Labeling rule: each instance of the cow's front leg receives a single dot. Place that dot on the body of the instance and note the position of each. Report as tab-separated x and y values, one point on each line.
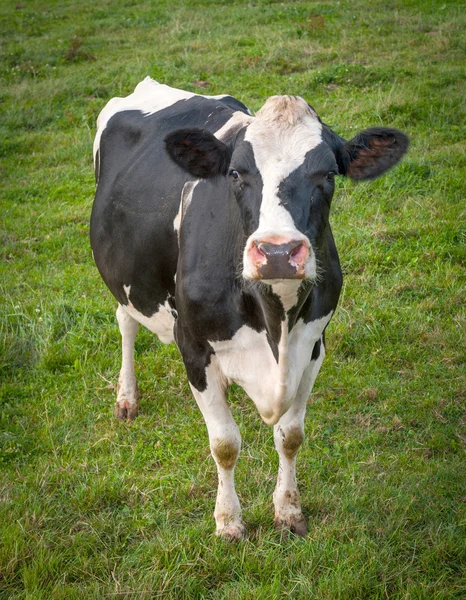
288	436
126	406
225	445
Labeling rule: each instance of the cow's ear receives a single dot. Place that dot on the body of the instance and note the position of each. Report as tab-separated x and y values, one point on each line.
371	153
198	152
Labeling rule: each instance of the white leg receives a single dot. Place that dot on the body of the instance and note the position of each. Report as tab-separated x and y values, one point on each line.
225	445
126	406
288	436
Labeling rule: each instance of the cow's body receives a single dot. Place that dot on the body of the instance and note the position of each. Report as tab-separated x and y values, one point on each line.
232	255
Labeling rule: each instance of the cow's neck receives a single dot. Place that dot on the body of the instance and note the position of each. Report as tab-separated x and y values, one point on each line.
279	303
287	291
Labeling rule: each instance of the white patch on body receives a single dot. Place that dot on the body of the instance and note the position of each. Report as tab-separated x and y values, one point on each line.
127	290
161	322
283	132
287	291
247	360
186	197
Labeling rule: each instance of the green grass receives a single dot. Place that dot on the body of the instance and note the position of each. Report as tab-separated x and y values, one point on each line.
92	508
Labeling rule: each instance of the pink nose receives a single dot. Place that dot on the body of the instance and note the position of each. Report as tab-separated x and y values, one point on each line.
274	260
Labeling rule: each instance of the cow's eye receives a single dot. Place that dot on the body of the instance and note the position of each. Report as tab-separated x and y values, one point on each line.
331	175
234	174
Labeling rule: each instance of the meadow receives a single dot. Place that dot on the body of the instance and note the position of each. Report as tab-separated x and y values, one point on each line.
95	508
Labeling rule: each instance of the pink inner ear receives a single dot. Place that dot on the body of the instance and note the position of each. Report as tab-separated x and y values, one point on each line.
368	157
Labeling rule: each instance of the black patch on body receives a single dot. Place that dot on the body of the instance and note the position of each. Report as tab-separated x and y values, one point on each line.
316	350
137	200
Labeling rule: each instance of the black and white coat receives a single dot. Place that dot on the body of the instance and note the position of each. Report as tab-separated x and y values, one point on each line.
211	228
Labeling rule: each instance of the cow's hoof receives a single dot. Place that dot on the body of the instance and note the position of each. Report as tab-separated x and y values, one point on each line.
233	532
126	411
294	523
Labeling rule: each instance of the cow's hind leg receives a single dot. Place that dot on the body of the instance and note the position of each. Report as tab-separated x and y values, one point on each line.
225	445
288	436
126	406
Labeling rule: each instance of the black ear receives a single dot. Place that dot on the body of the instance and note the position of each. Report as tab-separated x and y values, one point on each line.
371	153
198	152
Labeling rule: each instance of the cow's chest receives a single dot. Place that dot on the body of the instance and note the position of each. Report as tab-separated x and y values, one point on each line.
247	360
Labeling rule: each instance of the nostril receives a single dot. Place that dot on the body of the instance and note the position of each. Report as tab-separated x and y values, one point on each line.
297	250
258	247
299	254
256	254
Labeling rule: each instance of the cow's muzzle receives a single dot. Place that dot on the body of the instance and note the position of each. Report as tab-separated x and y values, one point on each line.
271	259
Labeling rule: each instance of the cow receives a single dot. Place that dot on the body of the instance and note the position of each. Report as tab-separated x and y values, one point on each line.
210	227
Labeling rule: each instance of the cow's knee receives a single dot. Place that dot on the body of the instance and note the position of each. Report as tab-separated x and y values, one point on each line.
289	439
225	451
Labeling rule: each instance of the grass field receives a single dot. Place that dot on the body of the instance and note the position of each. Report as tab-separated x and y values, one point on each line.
94	508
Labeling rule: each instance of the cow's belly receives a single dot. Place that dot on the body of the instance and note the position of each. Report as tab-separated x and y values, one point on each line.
247	360
161	322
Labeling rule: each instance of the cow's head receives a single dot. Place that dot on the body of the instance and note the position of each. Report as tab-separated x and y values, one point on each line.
281	170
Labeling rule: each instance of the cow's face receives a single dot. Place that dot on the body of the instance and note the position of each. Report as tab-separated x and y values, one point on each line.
281	171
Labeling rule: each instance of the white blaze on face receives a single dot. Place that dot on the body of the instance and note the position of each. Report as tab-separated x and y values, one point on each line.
283	132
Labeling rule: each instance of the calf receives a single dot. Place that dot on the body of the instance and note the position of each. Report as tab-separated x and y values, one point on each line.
210	226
